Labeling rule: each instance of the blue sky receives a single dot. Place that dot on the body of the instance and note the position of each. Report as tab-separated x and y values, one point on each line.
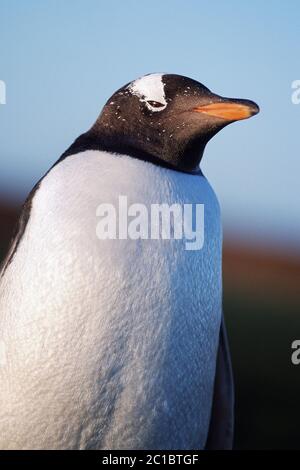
62	60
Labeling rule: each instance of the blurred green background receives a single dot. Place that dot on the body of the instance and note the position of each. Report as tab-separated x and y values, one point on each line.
262	313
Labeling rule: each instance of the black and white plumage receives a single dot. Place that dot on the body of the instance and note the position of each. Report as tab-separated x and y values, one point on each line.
113	344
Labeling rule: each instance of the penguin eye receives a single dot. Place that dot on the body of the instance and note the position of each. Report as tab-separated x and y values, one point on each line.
155	104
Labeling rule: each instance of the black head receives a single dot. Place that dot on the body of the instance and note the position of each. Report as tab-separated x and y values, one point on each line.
166	119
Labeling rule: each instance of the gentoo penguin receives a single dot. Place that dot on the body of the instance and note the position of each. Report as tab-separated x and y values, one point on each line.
119	343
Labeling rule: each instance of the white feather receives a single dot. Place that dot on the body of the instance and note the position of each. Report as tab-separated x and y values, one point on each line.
109	343
150	88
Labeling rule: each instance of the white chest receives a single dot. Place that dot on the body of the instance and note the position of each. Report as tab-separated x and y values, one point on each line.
110	343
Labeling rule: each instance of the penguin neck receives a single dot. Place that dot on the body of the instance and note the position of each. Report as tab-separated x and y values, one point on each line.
179	156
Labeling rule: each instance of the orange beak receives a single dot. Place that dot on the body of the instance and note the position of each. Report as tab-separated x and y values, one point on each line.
229	110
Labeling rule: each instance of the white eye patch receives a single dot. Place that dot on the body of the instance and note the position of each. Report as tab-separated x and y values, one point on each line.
150	90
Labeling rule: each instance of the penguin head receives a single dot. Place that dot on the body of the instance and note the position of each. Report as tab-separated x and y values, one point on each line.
166	119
